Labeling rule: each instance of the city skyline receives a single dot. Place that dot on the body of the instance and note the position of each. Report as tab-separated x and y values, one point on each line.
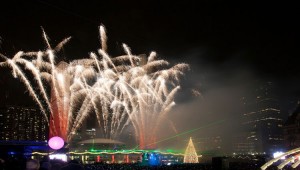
229	49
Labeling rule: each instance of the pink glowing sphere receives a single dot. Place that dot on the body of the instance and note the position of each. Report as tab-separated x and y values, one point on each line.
56	142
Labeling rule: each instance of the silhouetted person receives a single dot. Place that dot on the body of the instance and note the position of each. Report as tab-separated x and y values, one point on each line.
32	164
2	164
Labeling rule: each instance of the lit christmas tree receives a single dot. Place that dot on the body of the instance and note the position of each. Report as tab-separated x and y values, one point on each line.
190	155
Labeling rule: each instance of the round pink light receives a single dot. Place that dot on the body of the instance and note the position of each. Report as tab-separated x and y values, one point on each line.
56	142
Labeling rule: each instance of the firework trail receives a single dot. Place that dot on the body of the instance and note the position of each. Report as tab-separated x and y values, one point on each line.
122	91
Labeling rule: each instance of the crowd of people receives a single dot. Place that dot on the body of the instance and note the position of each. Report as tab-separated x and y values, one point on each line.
44	164
47	164
143	167
32	164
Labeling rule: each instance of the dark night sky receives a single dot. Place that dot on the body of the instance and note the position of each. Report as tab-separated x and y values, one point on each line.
262	36
228	45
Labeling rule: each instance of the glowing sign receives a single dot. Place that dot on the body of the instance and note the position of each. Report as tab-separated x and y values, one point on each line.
56	142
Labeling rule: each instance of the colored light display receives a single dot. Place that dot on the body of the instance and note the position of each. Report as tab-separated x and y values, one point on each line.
190	155
56	142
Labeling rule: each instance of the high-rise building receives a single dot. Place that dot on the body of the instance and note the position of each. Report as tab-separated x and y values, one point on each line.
262	121
292	130
209	145
22	124
242	145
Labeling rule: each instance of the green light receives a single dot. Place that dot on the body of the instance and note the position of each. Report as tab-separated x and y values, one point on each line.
170	150
187	132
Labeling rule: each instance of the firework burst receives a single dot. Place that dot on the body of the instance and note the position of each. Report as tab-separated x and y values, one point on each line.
122	91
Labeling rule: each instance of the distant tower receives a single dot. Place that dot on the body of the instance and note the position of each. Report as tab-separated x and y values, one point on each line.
190	155
262	120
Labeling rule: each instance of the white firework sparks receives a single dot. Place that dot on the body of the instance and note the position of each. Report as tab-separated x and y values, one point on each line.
123	90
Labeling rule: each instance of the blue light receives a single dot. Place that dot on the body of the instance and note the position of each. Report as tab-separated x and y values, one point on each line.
11	153
153	159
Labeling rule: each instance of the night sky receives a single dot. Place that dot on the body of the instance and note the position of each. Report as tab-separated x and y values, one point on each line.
229	46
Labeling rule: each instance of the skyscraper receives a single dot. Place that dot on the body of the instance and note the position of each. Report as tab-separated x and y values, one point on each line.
292	130
22	124
262	120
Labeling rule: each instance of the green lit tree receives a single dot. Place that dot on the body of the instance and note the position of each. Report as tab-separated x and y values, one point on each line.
190	155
